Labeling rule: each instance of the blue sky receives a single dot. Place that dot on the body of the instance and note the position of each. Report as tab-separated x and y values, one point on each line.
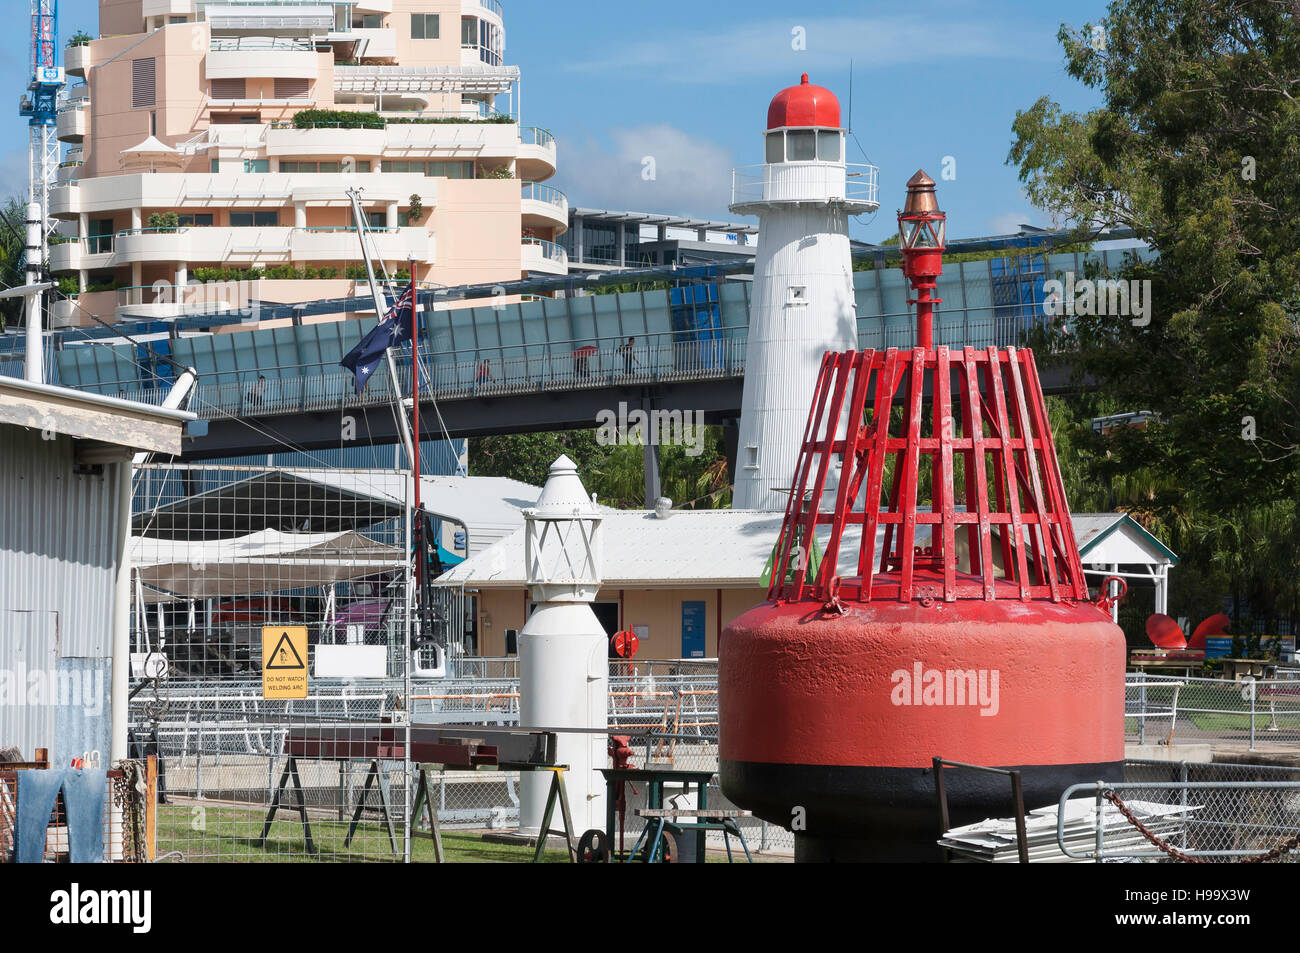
688	82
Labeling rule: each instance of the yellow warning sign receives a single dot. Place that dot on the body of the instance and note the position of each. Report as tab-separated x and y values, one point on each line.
284	661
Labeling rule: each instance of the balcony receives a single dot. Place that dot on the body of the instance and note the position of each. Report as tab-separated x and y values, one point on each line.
379	43
67	256
488	9
167	8
152	244
546	258
76	60
259	57
69	171
399	80
341	244
64	313
290	141
544	207
65	199
71	124
536	159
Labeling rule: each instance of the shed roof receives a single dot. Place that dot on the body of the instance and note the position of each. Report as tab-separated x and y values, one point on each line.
719	549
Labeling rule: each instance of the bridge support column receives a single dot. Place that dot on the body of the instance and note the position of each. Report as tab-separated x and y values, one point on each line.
652	488
731	445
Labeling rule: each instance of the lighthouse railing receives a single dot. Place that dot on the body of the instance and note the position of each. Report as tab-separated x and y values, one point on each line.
805	182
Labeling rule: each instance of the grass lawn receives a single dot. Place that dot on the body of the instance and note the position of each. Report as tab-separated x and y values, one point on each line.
1225	700
225	834
229	834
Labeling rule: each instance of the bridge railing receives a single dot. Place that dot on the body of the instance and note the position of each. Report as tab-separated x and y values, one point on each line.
499	371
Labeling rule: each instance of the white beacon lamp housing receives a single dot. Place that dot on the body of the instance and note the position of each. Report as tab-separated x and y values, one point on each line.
563	648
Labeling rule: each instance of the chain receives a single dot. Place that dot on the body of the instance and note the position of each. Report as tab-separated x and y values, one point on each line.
1284	848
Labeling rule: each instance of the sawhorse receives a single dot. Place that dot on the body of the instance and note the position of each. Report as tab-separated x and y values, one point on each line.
558	794
375	775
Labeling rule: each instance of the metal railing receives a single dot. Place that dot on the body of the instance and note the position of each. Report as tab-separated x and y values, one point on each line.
1228	714
550	251
536	136
538	192
801	181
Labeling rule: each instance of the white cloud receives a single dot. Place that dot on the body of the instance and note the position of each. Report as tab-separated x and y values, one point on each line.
691	175
874	43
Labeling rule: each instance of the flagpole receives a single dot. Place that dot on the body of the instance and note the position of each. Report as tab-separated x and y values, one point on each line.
415	459
380	308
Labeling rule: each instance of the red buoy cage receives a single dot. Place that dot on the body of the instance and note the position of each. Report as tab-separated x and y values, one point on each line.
977	469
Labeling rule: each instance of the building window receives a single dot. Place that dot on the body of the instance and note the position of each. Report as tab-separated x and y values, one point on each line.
377	219
375	21
216	165
257	165
828	145
424	26
100	239
292	88
143	88
801	145
199	220
254	219
229	88
775	147
468	31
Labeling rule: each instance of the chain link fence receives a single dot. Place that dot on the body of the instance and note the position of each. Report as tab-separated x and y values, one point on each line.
1164	811
238	571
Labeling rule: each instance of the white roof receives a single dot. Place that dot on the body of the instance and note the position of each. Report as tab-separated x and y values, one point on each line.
265	561
703	548
1108	538
490	508
708	548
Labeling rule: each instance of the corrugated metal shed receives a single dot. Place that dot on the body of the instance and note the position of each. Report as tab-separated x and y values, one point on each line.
58	536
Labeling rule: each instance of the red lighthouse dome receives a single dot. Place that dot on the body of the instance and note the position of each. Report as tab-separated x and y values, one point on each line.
804	105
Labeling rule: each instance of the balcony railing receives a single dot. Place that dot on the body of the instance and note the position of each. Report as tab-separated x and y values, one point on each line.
545	193
534	136
550	251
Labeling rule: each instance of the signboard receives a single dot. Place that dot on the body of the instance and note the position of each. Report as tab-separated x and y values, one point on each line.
284	661
1220	646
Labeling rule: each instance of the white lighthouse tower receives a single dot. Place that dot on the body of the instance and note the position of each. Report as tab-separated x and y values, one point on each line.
802	300
563	649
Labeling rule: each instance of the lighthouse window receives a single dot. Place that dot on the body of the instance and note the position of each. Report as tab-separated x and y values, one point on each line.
776	147
801	145
828	145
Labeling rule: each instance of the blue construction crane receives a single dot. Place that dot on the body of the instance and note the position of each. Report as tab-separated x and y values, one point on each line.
40	106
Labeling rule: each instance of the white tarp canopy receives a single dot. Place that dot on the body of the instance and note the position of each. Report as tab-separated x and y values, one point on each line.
265	561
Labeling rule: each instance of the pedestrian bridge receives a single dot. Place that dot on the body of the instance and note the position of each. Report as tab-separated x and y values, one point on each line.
543	364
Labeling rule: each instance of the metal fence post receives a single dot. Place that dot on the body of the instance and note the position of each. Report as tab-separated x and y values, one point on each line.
1142	713
1252	715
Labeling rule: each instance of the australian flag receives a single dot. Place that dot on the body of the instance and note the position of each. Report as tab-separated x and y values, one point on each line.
394	329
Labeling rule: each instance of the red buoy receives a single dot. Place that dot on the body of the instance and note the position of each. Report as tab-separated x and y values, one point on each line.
948	616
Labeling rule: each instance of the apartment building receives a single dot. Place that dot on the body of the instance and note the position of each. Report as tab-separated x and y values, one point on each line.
217	141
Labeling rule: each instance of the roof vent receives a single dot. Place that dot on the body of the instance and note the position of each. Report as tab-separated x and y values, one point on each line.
663	508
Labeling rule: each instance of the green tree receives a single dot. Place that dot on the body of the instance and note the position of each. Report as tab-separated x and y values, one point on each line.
1195	148
12	257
